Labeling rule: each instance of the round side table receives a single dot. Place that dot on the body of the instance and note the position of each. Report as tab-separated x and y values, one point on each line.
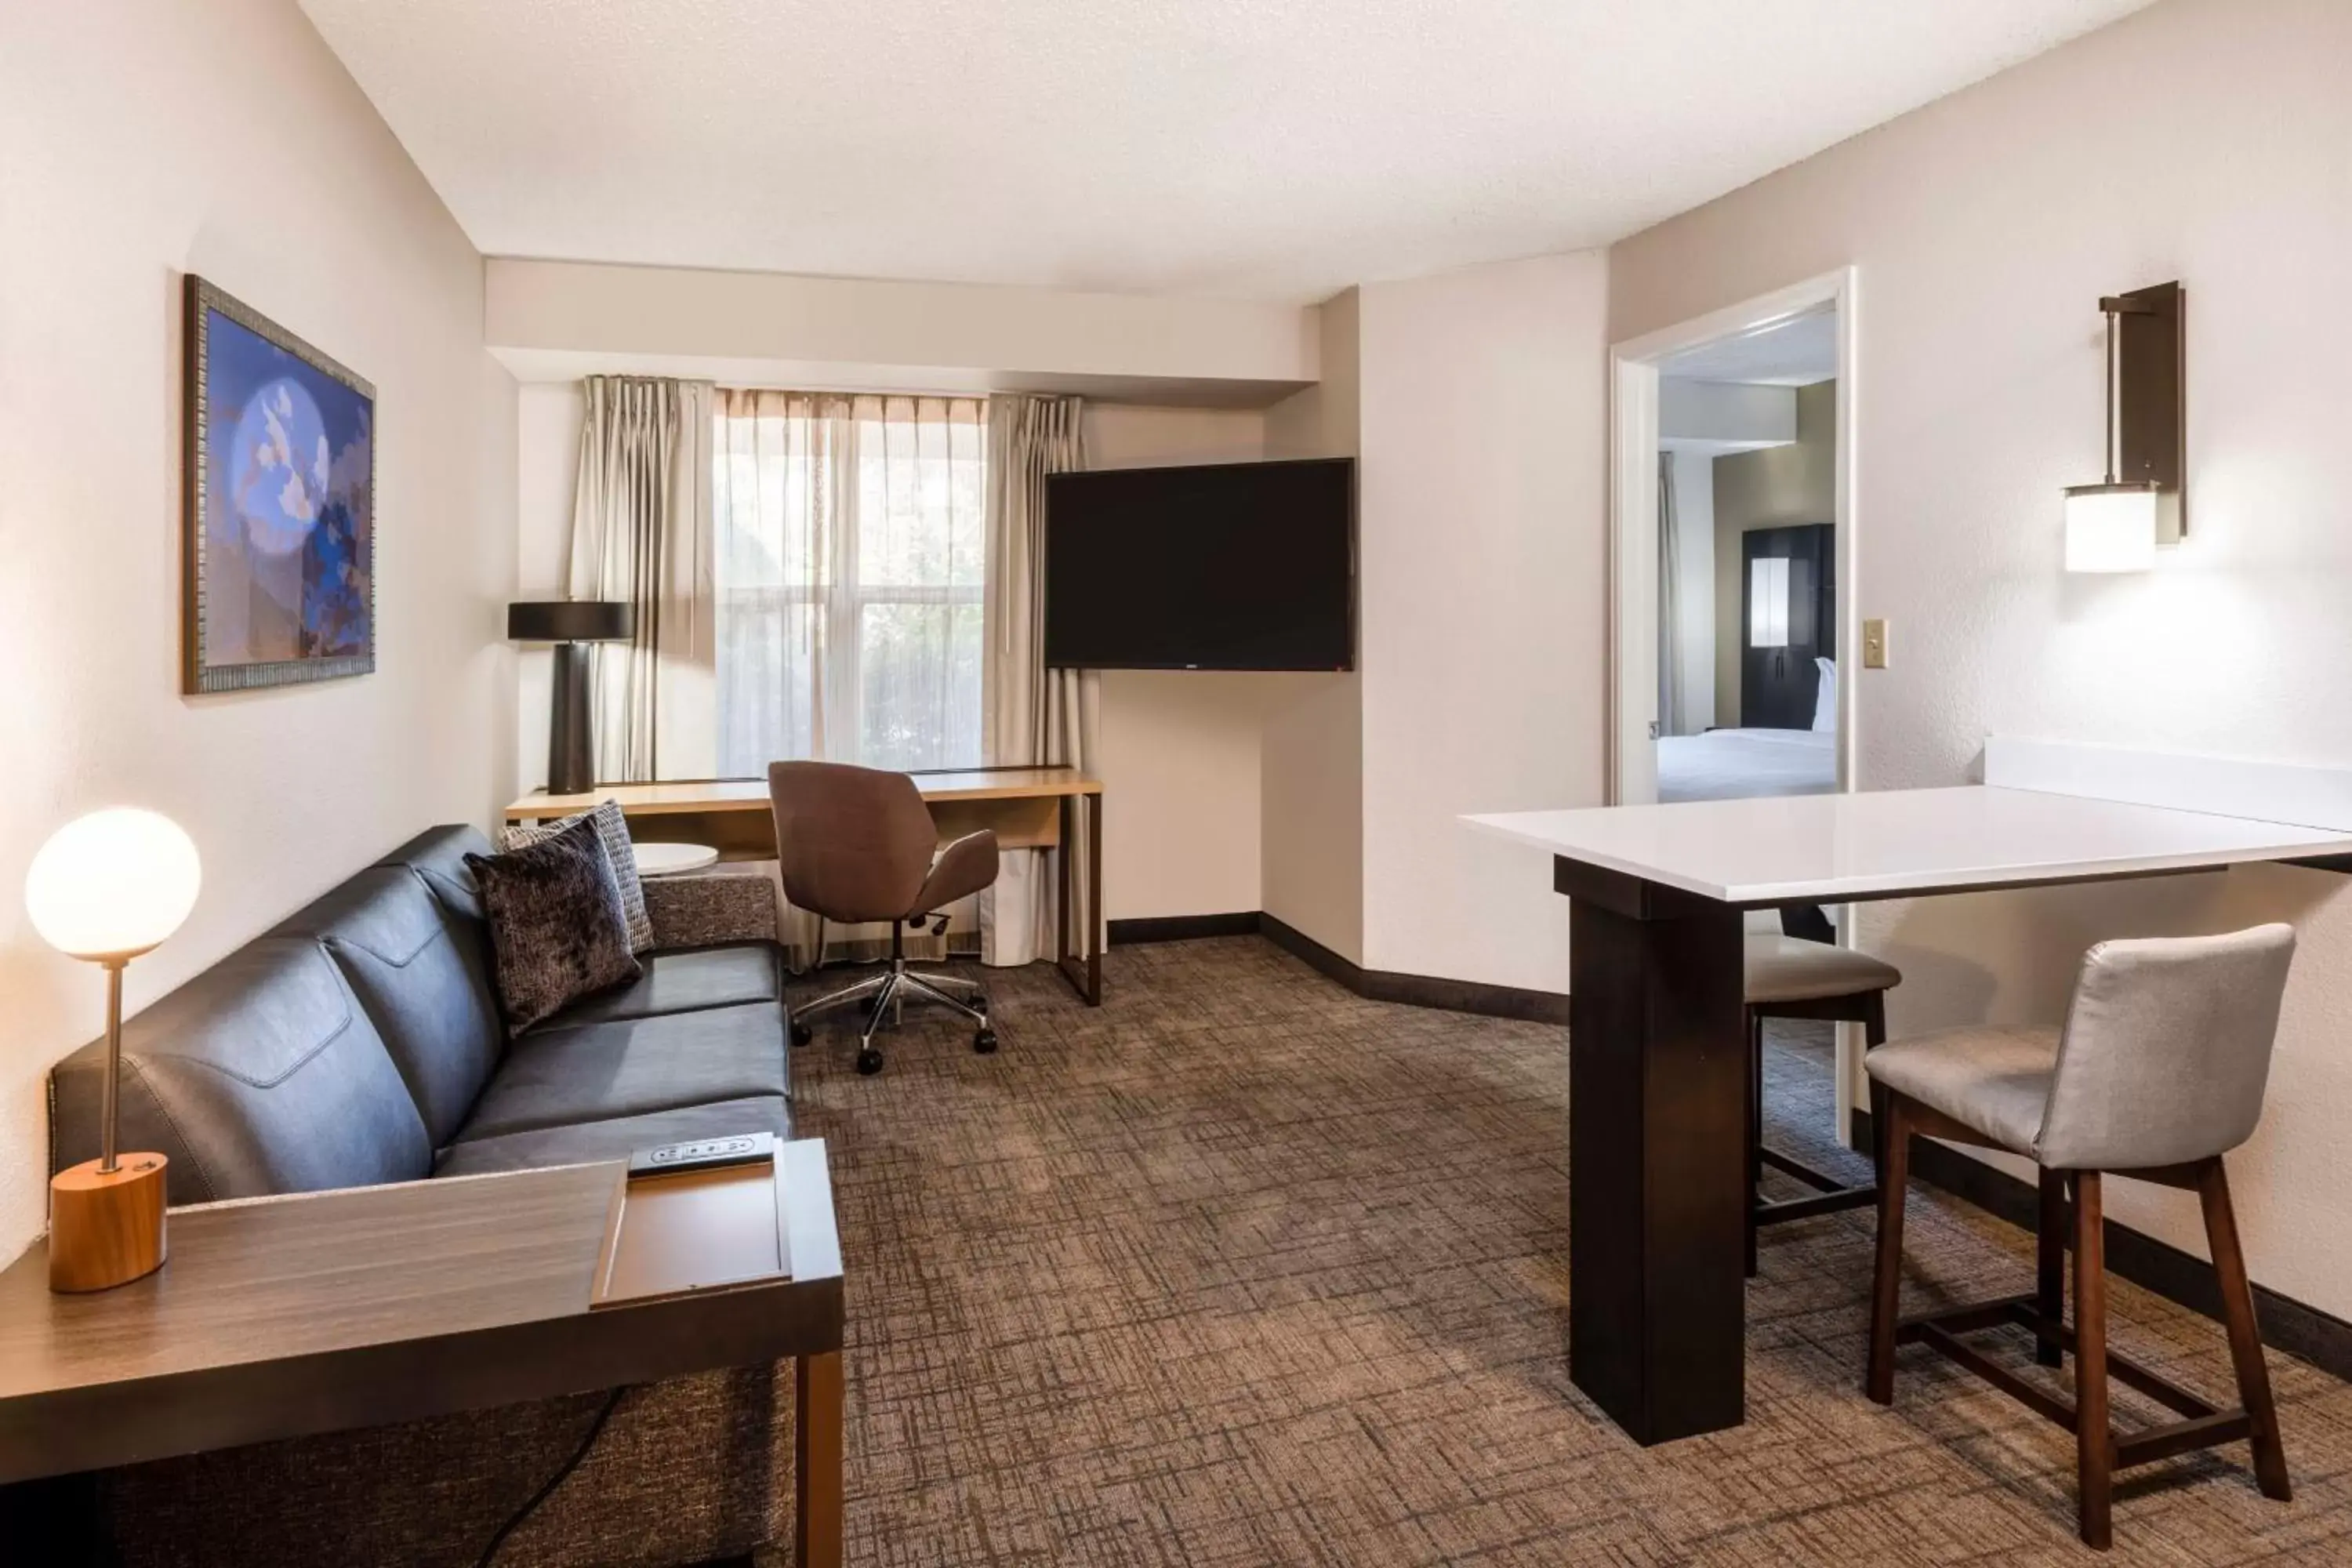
670	860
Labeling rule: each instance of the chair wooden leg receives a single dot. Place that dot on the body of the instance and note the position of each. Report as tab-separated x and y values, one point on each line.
2049	1259
1886	1280
2094	1446
1755	1130
2246	1335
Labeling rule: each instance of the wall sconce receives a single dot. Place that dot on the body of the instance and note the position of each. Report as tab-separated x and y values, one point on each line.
2116	525
1767	602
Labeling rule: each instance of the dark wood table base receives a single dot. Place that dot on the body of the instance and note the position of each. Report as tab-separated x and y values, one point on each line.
1657	1183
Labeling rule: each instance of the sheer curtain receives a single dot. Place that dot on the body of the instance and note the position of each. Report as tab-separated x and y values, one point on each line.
848	579
848	589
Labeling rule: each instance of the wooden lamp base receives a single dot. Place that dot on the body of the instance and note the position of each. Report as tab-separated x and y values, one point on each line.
106	1227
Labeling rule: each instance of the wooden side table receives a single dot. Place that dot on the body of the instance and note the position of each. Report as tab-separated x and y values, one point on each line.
290	1317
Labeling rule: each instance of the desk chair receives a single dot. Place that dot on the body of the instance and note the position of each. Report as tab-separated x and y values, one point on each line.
2158	1073
857	845
1789	977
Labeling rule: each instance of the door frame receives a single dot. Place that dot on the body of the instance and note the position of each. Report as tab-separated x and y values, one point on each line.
1630	764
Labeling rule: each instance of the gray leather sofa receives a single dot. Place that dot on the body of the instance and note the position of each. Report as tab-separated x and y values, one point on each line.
359	1042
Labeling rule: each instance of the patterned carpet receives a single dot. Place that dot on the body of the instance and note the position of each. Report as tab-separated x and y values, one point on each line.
1242	1270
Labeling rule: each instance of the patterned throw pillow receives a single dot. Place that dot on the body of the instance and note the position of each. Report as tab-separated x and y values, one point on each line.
556	930
614	829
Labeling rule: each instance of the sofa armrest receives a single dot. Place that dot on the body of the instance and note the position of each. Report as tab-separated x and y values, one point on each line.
710	911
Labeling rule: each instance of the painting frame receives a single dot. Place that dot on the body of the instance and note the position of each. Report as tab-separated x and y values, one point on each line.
201	673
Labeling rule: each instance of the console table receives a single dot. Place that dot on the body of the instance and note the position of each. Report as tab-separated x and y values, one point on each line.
1657	1052
1028	808
288	1317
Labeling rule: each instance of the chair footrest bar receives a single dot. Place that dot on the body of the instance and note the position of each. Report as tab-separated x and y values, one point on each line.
1789	1166
1820	1203
2205	1426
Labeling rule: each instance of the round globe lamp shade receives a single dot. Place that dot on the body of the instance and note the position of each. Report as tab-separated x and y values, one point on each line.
113	884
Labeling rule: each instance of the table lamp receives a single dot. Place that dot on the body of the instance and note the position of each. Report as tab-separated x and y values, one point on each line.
570	625
107	888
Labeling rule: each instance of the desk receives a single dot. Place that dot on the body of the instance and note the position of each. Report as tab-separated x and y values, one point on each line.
1029	808
290	1317
1657	1052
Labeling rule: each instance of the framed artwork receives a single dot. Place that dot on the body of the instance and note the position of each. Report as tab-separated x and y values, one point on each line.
279	556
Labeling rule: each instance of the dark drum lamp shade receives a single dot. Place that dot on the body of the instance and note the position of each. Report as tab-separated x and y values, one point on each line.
571	620
569	623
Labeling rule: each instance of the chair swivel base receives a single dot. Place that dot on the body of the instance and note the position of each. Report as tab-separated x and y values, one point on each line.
885	995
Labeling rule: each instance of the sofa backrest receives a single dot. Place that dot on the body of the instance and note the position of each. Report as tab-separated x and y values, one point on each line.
261	1075
422	971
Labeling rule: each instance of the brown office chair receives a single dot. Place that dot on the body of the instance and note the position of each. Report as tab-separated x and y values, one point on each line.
857	844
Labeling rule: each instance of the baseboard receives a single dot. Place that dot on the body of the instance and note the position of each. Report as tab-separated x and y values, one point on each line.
2320	1338
1180	928
1419	990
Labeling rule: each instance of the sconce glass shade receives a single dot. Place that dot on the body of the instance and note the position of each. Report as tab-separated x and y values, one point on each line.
2111	528
113	884
1767	602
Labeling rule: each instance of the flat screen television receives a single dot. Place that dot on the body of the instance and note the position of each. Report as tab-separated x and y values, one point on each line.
1221	567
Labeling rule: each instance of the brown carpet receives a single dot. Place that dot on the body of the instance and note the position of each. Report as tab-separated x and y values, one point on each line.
1242	1270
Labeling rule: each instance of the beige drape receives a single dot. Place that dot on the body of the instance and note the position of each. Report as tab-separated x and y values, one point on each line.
641	532
1033	715
1671	718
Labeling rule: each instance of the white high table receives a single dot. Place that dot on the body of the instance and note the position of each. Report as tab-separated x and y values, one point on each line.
1657	1044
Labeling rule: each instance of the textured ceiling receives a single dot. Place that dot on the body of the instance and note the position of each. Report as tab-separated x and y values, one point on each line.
1275	149
1798	352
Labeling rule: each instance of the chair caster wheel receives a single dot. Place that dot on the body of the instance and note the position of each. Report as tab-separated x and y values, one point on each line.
984	1042
801	1033
869	1061
980	1002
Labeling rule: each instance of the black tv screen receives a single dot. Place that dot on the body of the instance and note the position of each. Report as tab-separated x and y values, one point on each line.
1227	566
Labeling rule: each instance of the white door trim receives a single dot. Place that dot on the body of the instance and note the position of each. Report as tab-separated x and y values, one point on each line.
1632	689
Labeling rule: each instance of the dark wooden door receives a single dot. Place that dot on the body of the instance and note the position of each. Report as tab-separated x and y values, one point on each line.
1778	681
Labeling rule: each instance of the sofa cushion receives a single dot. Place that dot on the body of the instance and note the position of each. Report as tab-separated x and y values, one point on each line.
261	1075
613	828
557	930
437	856
594	1072
616	1139
683	982
421	971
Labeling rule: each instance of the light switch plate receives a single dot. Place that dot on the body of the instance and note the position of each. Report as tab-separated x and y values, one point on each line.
1873	644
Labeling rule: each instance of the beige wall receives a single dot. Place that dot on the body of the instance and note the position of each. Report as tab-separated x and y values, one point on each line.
2201	140
1483	605
138	142
1180	748
1312	751
1776	488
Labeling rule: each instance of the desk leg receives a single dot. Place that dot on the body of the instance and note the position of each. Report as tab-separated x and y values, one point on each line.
816	1461
1084	975
1657	1086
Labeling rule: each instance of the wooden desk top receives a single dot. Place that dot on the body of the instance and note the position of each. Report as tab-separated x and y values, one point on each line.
751	795
331	1310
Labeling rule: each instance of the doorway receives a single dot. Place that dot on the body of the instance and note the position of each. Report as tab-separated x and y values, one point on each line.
1733	550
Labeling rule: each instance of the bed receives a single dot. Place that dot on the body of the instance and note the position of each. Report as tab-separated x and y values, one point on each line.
1728	764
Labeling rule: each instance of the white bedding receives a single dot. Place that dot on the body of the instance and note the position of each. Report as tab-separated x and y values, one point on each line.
1729	764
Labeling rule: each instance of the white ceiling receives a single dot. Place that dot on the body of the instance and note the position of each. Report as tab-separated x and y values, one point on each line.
1798	352
1275	149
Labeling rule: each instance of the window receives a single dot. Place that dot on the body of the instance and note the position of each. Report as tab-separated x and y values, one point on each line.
848	562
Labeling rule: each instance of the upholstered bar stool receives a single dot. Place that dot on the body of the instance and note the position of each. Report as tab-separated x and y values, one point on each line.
1787	977
2158	1073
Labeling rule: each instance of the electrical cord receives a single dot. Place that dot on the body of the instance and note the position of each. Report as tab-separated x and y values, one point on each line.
596	1430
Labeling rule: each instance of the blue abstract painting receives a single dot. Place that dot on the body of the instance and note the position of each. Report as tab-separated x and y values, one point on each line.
282	505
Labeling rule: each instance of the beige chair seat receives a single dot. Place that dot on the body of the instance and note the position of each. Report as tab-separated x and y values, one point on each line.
1990	1079
1785	969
